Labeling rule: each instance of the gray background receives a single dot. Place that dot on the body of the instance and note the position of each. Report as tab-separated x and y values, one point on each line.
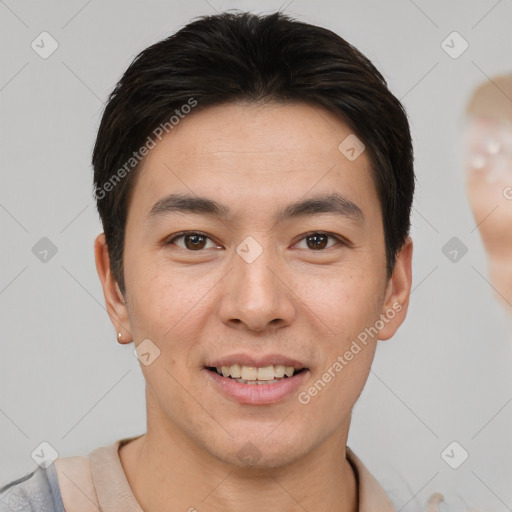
64	379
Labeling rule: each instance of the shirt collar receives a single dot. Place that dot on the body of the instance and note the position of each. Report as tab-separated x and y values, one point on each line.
371	495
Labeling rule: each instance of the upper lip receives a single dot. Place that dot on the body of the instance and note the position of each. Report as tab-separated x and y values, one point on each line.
258	361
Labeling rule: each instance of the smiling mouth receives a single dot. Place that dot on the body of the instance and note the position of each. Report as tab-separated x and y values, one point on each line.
257	375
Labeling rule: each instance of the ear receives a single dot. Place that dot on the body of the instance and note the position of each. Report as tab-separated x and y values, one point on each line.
396	303
114	300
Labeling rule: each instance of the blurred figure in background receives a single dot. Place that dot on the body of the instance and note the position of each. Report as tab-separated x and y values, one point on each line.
488	166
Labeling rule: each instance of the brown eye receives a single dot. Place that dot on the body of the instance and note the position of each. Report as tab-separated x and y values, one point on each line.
192	241
318	240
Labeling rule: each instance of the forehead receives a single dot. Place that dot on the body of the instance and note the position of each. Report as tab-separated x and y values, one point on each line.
250	152
271	128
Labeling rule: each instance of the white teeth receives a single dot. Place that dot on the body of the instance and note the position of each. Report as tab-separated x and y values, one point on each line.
266	373
249	373
279	371
236	371
253	375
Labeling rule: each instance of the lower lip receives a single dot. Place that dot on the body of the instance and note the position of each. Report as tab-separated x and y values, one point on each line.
257	394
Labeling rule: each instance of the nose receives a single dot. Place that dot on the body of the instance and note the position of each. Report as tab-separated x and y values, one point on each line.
255	294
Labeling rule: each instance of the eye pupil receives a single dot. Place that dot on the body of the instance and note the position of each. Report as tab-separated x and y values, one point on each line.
195	243
317	244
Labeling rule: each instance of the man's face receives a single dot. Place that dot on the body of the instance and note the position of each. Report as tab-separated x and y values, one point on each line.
488	164
250	290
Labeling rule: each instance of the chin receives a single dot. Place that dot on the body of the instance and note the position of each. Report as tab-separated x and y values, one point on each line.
261	453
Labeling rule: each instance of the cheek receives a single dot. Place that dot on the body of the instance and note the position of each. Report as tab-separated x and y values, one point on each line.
171	316
343	304
166	308
160	293
350	308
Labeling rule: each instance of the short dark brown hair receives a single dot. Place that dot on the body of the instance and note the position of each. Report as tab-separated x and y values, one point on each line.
243	56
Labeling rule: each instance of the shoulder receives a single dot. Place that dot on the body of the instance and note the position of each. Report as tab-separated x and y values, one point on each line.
37	490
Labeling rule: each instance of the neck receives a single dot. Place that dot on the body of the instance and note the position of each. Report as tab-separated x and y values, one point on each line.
167	471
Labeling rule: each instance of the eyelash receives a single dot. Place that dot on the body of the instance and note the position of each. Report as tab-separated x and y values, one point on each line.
341	240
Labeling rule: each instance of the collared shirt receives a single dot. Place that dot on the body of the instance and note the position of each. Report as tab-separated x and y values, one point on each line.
97	483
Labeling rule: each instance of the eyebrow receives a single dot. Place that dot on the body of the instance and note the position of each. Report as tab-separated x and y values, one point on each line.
329	203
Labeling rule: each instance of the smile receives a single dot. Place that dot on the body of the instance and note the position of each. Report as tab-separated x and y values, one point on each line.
257	385
243	374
